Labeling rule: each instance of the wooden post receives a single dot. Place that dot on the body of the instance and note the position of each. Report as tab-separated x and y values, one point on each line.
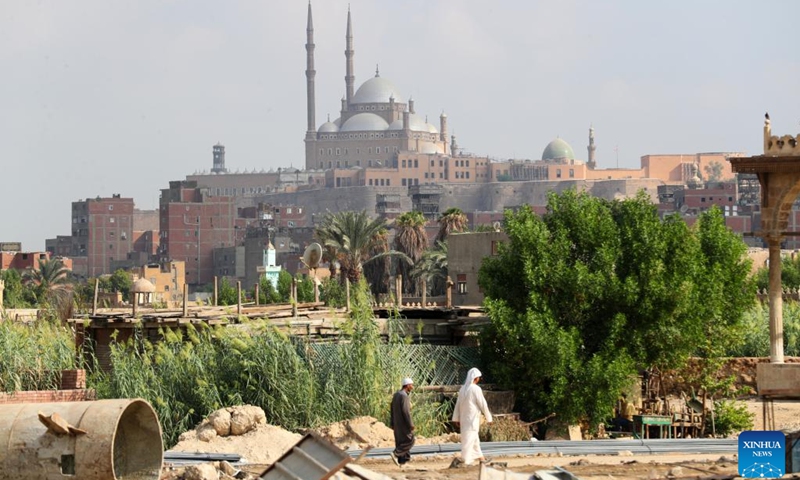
94	301
449	293
347	293
399	290
294	297
316	287
424	292
135	299
216	290
2	287
257	294
238	297
185	300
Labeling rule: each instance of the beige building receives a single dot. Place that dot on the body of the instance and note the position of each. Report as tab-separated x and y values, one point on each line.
168	279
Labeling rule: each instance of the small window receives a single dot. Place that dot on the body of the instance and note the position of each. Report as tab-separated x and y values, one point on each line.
571	173
461	283
403	182
558	173
111	220
110	208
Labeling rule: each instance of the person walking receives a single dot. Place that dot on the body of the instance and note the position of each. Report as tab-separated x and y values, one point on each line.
467	415
402	424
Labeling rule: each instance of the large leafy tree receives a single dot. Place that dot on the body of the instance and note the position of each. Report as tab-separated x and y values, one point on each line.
452	220
410	238
593	291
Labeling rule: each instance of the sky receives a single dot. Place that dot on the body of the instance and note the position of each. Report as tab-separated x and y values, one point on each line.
101	97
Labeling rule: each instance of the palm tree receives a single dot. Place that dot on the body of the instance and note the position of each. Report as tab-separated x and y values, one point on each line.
351	236
50	284
412	240
452	220
433	268
377	271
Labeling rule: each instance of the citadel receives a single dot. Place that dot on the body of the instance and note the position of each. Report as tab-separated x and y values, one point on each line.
377	154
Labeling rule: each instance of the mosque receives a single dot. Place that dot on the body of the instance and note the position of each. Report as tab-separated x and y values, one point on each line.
378	139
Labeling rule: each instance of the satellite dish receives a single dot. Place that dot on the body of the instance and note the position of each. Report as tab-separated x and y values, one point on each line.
312	255
684	208
497	226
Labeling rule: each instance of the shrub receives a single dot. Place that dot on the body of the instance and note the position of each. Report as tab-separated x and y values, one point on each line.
730	417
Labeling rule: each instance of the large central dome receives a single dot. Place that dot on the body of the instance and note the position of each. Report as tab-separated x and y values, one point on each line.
377	90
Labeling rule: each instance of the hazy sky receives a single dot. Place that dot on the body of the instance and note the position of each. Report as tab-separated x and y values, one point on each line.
105	96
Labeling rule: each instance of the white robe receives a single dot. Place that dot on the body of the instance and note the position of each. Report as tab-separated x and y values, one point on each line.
469	407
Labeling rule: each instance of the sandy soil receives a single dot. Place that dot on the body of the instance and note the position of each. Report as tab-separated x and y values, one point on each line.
619	467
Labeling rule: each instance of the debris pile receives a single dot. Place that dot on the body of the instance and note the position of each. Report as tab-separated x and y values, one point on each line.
242	430
358	433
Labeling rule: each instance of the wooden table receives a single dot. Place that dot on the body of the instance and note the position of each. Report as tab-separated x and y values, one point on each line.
644	421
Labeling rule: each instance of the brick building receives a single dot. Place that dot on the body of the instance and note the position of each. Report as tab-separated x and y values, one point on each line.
102	232
192	224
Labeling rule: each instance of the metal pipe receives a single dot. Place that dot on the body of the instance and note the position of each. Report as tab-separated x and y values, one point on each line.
107	440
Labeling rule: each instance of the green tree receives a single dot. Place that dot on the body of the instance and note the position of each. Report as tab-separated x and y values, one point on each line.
227	293
351	236
790	274
412	240
583	297
266	292
16	295
376	272
433	268
452	220
50	284
121	281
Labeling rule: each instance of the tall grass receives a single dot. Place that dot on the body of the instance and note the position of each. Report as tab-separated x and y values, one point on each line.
187	376
32	355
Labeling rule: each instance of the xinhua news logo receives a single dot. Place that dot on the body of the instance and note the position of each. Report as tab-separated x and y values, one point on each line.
762	454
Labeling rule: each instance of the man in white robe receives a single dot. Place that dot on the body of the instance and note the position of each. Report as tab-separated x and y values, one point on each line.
470	404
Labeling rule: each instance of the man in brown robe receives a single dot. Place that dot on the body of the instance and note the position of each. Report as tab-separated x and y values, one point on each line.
402	424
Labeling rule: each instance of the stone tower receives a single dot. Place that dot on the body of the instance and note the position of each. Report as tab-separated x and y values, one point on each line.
311	130
219	159
590	161
350	78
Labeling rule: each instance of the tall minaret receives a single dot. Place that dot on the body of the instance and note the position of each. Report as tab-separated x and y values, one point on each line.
349	78
311	130
591	148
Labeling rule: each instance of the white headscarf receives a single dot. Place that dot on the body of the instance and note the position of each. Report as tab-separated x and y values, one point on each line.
472	374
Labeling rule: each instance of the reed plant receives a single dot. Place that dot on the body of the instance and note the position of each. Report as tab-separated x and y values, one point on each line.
33	354
187	375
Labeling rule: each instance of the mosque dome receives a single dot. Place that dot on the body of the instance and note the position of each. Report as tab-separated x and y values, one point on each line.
416	123
558	149
377	90
328	127
430	148
364	122
143	285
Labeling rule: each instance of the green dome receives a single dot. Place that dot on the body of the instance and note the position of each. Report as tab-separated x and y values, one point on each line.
558	149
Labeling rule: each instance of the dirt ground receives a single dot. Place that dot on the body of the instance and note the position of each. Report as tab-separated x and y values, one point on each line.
620	467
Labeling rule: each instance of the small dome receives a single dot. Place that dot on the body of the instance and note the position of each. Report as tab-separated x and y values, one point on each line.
430	148
364	122
558	149
377	90
143	286
417	124
328	127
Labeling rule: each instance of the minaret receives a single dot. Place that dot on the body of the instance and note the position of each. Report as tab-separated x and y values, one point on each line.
349	78
443	127
591	148
311	129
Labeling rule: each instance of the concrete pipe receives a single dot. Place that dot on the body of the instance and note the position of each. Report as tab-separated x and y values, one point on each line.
102	440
